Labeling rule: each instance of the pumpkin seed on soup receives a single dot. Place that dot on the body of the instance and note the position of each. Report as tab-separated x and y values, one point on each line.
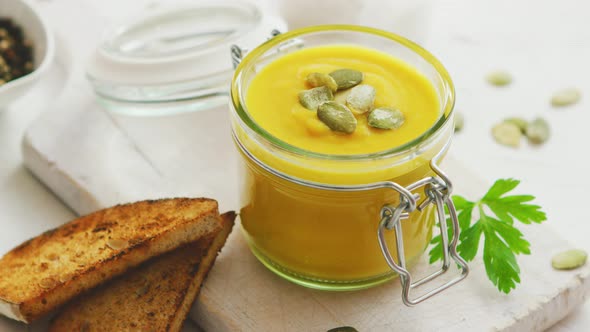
499	78
361	98
312	98
347	78
566	97
337	117
320	79
385	118
569	259
519	122
538	131
507	133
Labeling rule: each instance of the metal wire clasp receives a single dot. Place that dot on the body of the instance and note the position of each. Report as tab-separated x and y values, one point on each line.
237	52
438	191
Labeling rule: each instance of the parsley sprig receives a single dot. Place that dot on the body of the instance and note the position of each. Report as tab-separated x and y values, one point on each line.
502	241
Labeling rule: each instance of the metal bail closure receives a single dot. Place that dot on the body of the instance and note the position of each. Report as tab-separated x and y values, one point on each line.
438	191
237	53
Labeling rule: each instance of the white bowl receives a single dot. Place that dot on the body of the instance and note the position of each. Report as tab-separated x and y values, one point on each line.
35	29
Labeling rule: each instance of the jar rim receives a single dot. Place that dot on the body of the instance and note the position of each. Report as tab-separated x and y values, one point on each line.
447	107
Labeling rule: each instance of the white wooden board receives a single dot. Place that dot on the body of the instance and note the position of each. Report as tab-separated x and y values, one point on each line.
91	162
240	293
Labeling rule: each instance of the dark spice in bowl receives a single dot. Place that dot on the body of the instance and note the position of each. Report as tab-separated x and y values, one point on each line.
16	52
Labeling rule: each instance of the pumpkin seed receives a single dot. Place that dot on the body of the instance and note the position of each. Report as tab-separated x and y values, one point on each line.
312	98
320	79
459	121
566	97
347	78
337	117
385	118
361	98
538	131
569	259
499	78
343	329
521	123
507	133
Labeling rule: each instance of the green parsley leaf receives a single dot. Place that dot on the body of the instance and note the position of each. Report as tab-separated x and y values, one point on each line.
500	263
508	207
436	252
502	240
469	242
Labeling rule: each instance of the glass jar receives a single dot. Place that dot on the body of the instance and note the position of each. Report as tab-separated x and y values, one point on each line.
327	221
171	58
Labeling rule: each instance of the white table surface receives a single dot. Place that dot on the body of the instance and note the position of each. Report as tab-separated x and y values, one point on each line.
540	62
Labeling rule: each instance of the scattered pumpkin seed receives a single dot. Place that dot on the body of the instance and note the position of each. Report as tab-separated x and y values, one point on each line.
312	98
507	133
117	244
319	79
459	121
566	97
343	329
385	118
569	259
347	78
337	117
520	122
538	131
499	78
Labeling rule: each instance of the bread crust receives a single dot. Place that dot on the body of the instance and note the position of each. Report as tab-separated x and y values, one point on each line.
156	296
41	274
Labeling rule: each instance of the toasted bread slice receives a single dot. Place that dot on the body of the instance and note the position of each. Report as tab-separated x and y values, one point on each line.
156	296
45	272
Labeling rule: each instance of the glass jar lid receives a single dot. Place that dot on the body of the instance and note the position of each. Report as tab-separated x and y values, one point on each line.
177	52
180	33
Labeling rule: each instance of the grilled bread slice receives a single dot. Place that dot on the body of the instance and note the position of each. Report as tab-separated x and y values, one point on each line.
45	272
154	297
